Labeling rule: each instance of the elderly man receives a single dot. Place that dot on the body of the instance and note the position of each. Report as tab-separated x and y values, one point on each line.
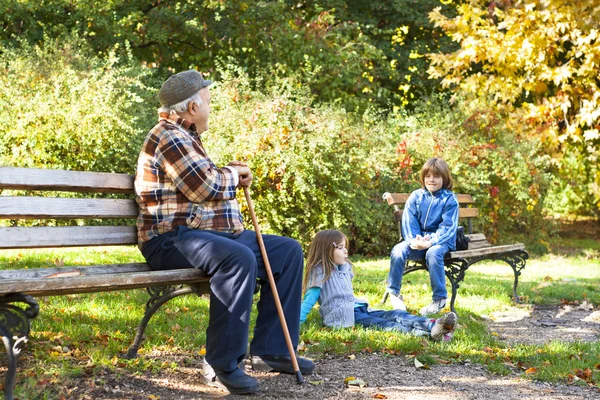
189	218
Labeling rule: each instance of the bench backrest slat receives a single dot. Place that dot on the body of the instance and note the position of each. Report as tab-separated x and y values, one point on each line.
66	236
70	181
23	207
401	198
462	213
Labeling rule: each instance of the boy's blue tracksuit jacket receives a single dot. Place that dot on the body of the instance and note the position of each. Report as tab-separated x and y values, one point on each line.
434	214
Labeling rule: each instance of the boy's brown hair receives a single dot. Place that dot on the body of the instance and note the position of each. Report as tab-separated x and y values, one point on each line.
438	167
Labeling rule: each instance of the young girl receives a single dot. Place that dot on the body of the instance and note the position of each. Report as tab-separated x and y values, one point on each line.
429	225
328	280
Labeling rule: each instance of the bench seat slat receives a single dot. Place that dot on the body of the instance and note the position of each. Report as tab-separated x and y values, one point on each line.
71	181
476	237
24	207
487	250
479	245
66	236
42	273
100	282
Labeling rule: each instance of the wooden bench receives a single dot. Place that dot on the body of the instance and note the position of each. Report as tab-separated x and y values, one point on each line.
19	288
457	262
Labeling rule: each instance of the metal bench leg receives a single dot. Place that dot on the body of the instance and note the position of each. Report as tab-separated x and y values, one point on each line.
455	272
159	295
15	328
516	259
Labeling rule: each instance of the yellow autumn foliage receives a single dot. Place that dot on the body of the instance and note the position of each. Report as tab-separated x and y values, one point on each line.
535	61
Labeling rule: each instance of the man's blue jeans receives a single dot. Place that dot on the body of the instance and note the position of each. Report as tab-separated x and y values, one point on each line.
234	262
394	320
434	259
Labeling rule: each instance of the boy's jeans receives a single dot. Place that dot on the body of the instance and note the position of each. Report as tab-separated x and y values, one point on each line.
434	259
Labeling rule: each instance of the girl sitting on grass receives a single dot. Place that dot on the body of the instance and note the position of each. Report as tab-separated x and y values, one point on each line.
328	280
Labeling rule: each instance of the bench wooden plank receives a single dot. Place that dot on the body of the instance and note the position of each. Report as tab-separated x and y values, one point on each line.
401	198
66	236
41	273
462	213
487	250
71	181
24	207
476	237
479	245
101	282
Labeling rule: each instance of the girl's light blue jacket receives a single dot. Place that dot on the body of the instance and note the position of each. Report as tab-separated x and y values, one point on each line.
434	214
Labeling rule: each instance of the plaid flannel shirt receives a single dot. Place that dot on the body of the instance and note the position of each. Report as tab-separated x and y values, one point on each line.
176	183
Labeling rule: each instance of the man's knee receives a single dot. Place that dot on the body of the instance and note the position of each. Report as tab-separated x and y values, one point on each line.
242	259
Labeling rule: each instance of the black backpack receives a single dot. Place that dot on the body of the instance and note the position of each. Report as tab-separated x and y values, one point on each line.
462	242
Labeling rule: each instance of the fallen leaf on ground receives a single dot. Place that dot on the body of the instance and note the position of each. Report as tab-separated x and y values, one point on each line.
531	370
419	364
356	382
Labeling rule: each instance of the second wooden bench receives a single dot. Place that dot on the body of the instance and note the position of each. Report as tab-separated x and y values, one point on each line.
458	262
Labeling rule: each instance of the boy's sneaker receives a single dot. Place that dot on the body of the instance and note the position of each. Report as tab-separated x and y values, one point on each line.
443	327
397	301
434	307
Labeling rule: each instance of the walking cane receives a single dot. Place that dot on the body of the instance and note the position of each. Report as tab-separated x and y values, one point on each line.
263	251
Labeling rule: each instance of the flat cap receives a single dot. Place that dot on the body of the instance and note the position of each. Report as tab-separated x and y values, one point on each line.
181	86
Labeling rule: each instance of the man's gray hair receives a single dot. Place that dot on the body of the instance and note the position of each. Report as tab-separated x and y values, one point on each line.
182	106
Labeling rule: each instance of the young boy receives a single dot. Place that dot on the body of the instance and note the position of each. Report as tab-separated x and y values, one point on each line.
429	225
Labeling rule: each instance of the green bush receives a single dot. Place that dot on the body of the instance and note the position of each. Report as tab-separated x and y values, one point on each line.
62	106
315	167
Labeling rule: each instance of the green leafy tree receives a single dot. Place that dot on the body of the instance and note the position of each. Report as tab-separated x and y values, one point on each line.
352	52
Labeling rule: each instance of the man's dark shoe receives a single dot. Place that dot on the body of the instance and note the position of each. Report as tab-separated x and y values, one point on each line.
281	364
235	382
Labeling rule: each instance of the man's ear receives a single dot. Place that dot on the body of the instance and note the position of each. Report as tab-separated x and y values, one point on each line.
190	107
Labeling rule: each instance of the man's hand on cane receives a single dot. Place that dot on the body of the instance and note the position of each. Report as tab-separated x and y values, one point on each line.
243	171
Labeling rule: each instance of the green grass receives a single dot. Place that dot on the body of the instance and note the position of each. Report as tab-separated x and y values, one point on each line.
77	336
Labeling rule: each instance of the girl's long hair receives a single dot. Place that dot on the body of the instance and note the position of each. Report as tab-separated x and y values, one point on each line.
320	251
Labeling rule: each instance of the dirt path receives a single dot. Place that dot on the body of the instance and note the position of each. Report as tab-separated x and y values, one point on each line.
385	377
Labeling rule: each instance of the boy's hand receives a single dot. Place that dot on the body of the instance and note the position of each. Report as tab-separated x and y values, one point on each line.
421	243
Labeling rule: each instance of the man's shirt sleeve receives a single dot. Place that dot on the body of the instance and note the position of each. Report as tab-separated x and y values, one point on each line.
191	172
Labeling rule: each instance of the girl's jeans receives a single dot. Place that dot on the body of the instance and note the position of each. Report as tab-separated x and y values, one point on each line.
434	259
394	320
